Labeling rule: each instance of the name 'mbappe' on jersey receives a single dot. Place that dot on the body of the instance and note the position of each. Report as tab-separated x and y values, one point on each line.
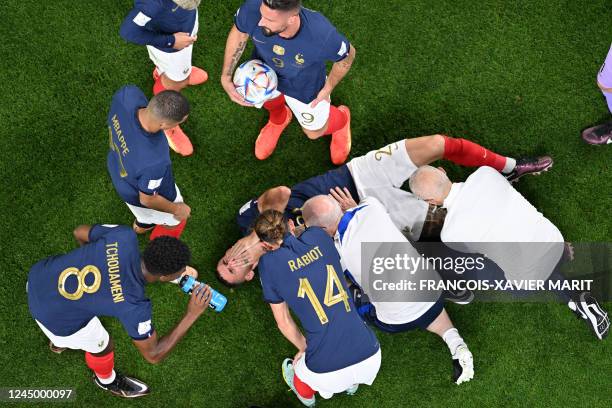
299	62
305	273
101	278
138	161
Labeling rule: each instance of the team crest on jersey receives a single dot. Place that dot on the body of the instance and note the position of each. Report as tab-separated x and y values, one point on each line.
299	59
278	50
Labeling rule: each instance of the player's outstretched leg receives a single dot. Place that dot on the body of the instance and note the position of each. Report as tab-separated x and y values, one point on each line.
105	376
598	135
463	361
305	394
280	117
586	307
427	149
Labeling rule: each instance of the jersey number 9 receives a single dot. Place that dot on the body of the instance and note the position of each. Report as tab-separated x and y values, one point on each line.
305	289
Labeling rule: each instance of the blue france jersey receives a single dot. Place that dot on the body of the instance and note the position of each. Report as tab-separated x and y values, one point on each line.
305	273
321	184
153	22
299	61
101	278
138	161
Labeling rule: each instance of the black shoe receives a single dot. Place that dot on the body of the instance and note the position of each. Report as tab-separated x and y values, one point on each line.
530	165
124	386
588	309
460	297
598	135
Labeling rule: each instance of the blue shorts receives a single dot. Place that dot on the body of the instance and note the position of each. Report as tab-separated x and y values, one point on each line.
421	323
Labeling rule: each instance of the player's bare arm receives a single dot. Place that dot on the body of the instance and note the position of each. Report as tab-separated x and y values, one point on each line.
155	349
338	71
234	47
81	234
181	211
287	326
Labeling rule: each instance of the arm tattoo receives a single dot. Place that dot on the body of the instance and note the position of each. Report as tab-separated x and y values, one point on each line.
235	57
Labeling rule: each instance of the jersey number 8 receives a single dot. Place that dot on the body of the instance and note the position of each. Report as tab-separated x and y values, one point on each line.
305	289
83	287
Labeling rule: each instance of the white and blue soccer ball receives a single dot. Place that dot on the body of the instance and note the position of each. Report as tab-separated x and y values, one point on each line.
255	81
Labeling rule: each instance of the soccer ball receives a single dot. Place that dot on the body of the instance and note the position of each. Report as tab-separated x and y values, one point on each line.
255	81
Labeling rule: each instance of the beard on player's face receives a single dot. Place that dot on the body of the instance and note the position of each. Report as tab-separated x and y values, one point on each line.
269	33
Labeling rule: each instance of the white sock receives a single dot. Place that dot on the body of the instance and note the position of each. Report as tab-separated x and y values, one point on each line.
108	380
509	166
452	339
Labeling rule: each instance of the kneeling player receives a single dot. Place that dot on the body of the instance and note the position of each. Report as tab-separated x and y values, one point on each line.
380	174
339	351
106	277
370	222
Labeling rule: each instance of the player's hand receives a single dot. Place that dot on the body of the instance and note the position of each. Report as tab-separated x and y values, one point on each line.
199	300
297	356
343	197
189	271
182	40
230	89
182	211
324	95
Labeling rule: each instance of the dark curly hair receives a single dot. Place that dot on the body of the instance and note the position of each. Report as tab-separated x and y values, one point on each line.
166	255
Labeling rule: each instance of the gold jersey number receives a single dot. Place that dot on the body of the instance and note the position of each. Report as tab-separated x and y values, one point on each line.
82	286
333	281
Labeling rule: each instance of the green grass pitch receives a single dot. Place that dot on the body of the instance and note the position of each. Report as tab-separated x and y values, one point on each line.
516	76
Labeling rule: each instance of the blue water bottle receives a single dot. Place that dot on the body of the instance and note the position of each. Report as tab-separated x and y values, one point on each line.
217	301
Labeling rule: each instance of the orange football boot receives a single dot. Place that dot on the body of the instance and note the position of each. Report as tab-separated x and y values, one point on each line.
340	145
268	137
178	141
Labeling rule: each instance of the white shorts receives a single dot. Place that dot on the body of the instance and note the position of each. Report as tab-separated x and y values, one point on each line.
92	338
308	117
150	216
176	65
334	382
380	174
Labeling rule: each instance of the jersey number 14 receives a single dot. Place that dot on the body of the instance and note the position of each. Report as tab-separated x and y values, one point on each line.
305	289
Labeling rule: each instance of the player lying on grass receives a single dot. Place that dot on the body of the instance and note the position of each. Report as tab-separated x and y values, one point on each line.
168	28
106	277
380	174
602	134
486	210
370	222
139	159
296	42
339	351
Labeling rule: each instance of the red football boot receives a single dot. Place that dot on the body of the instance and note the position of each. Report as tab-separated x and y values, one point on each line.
340	145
